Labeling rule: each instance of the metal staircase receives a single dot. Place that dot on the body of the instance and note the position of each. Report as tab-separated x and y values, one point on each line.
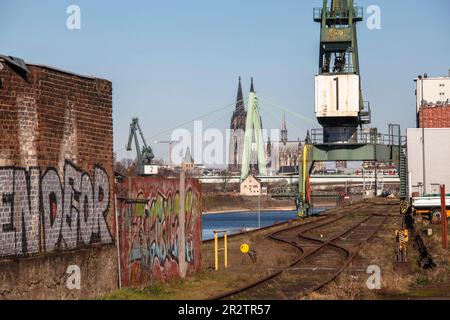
403	172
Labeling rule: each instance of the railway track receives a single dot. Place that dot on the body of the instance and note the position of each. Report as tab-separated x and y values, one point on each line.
322	258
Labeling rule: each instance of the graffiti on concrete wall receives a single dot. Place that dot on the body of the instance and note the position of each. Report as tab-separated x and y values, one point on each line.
153	242
41	211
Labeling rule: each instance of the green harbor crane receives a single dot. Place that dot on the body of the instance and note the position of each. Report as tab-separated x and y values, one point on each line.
339	106
144	155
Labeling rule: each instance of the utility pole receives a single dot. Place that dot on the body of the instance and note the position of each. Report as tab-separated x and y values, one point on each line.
444	218
364	180
259	211
376	179
423	136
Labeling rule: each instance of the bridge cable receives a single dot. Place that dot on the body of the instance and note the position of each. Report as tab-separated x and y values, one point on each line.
194	119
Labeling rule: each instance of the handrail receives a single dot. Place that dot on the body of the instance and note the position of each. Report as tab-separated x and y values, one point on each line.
359	137
338	14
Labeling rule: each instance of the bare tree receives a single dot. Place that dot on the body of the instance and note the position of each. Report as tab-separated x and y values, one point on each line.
126	167
225	178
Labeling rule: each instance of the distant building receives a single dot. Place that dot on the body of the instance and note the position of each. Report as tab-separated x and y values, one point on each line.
283	155
433	109
288	151
341	165
188	162
371	165
285	160
250	186
319	167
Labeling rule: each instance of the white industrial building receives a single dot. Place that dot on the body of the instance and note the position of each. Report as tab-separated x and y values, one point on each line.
436	91
437	159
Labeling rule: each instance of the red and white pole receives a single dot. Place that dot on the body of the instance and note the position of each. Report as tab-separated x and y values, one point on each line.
444	218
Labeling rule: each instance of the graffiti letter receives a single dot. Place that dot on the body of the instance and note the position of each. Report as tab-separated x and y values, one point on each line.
52	208
7	234
86	209
26	210
72	184
101	201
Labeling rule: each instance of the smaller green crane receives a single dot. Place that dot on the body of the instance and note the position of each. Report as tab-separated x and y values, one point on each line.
144	156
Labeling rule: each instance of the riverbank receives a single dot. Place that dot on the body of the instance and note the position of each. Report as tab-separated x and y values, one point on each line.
232	202
248	210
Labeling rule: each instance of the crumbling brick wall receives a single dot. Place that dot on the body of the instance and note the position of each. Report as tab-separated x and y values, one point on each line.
56	184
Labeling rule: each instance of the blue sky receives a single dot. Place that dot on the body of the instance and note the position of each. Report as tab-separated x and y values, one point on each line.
171	61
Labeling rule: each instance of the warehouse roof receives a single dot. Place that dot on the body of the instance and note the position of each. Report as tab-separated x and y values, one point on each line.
21	67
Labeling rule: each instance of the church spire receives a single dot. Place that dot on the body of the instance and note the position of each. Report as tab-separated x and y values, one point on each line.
252	88
240	99
284	137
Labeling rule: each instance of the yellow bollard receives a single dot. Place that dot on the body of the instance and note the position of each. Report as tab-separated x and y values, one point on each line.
226	249
216	251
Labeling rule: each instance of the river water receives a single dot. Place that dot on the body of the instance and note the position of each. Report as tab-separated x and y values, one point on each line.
235	222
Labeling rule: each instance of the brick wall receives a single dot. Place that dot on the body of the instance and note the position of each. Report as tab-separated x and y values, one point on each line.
56	183
434	117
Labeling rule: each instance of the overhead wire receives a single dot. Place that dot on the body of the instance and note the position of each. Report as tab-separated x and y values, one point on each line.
269	110
298	115
194	119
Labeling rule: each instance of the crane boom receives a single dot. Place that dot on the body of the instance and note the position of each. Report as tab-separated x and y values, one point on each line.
140	132
144	156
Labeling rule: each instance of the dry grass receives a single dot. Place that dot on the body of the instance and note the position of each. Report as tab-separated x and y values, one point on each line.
271	255
342	289
441	274
381	251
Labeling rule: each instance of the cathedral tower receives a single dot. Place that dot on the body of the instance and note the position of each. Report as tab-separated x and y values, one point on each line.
237	128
